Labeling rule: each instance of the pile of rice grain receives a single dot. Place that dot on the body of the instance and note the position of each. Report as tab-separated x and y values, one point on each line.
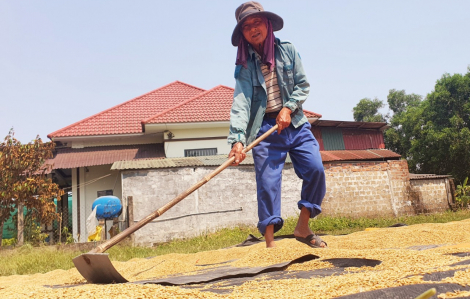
400	266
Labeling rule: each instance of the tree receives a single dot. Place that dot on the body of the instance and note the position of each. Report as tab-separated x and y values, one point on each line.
433	134
443	146
402	125
367	110
398	101
24	182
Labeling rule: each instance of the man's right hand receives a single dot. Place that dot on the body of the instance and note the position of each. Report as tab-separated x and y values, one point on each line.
237	151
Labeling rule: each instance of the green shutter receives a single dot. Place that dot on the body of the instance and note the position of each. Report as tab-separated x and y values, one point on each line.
332	139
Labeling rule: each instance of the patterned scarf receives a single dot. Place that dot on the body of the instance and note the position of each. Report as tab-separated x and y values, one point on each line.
268	49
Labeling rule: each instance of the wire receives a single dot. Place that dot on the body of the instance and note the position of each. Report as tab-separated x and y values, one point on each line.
115	181
89	182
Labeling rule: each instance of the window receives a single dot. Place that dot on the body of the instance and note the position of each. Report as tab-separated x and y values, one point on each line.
104	193
200	152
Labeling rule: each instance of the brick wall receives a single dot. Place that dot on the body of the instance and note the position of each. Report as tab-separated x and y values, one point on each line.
430	195
382	188
399	178
366	189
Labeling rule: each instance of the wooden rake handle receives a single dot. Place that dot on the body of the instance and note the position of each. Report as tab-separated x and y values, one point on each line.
119	237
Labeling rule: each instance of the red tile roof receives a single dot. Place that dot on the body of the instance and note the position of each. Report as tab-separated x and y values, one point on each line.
126	118
310	114
351	155
212	105
176	102
102	155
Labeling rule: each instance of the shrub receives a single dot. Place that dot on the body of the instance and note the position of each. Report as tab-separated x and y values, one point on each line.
37	237
462	194
9	242
68	236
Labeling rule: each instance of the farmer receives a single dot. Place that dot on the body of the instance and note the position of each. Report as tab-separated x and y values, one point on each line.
270	88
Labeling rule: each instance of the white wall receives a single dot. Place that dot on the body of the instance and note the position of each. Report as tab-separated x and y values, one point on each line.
229	199
88	193
176	149
81	142
74	204
198	133
175	146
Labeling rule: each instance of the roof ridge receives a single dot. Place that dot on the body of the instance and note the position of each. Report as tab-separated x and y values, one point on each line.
225	86
308	111
187	84
51	135
183	103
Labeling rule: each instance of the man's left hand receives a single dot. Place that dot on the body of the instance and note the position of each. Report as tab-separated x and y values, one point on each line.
283	119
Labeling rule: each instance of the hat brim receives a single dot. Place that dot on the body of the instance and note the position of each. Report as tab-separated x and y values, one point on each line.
276	21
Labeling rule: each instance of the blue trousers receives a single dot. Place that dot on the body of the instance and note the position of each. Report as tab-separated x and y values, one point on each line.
269	158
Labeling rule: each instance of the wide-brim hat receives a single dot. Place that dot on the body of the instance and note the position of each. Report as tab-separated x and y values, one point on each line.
251	8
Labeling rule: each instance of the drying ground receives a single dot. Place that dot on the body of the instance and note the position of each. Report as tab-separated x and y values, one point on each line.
402	264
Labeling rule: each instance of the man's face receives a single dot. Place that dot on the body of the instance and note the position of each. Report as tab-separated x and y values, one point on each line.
254	30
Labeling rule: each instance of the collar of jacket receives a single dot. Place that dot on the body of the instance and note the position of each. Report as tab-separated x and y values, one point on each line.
279	63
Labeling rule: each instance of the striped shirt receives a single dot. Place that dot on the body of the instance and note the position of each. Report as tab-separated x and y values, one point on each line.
274	100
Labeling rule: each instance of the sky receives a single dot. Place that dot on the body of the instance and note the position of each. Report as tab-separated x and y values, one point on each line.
62	61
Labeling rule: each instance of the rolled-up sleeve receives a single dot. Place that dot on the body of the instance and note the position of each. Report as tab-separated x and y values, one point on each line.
301	85
241	105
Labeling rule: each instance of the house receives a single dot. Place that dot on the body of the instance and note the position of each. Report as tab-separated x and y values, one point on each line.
157	145
86	149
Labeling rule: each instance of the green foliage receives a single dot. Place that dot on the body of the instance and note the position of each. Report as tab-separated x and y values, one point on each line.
406	122
398	101
9	242
37	237
29	260
367	110
32	230
462	194
68	236
438	130
432	134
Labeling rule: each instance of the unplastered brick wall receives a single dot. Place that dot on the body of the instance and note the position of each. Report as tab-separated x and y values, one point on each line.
367	189
431	195
400	190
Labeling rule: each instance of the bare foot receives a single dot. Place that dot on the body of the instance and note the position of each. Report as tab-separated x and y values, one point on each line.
269	236
270	244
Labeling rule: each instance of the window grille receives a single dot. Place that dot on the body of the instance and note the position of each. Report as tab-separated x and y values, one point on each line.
104	193
200	152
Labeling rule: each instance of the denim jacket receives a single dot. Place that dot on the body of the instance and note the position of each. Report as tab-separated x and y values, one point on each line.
249	98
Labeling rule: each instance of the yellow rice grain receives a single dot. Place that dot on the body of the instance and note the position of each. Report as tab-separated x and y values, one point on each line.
400	266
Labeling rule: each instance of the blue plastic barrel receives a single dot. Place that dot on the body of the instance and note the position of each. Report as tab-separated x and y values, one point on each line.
108	207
